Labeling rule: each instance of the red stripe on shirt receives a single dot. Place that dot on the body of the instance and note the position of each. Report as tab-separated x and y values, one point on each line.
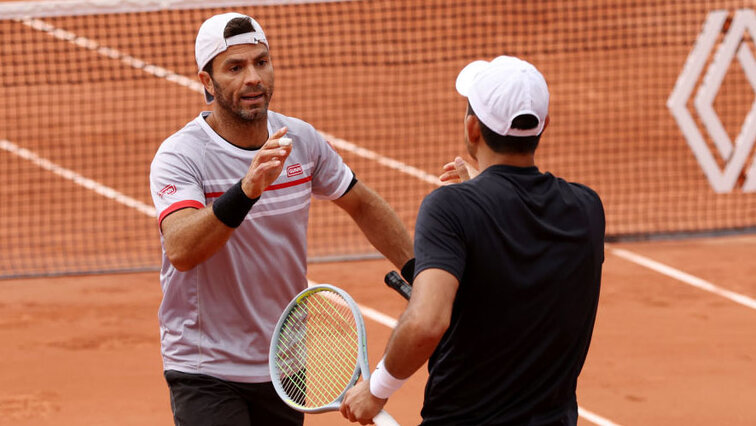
178	206
270	188
289	184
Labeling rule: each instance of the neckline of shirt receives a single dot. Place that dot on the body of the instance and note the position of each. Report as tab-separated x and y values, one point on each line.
223	143
530	170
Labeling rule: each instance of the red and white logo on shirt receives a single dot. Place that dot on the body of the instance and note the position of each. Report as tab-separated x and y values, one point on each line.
294	170
167	190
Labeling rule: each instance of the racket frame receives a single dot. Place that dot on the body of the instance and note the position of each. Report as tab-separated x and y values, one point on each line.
362	366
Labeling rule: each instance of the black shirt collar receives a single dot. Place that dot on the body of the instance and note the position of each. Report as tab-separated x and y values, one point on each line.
503	168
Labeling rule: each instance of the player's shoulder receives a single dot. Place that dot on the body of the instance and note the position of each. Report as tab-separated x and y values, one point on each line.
584	190
445	192
448	197
587	195
185	148
189	139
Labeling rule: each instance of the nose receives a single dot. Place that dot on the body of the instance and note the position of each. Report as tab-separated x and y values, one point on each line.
251	76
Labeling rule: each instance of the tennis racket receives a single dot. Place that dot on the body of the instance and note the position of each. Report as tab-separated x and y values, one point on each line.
395	281
318	351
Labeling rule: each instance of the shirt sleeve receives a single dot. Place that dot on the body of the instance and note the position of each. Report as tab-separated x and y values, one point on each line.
175	183
439	235
331	176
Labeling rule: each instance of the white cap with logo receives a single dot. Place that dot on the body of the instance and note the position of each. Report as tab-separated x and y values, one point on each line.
505	88
210	41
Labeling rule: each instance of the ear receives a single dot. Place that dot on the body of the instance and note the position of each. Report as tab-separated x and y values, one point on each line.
207	81
472	125
546	123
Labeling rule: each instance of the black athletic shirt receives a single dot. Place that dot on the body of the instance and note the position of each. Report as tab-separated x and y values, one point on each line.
527	248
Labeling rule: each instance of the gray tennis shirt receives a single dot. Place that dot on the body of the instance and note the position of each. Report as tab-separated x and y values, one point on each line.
217	318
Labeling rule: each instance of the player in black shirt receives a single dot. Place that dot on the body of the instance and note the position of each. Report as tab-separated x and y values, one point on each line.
507	275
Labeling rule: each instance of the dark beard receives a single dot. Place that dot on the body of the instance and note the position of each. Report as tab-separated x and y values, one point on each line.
242	116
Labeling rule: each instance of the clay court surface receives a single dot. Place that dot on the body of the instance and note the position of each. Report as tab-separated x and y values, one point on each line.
85	350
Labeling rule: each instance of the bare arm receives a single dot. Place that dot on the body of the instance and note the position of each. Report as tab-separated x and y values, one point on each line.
193	235
423	323
378	222
420	328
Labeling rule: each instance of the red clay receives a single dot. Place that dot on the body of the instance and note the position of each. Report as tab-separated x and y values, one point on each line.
85	350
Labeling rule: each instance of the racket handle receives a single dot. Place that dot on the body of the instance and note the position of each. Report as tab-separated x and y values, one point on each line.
395	281
384	419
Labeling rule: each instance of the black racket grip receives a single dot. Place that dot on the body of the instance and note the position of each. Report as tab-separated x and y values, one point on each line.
395	281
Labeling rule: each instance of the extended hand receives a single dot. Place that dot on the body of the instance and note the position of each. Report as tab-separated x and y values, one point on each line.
267	165
457	171
359	405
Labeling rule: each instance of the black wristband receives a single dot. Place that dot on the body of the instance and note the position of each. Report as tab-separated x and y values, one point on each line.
408	271
232	207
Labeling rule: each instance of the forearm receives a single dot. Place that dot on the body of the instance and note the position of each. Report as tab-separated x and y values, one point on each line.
192	236
387	234
409	347
423	324
380	224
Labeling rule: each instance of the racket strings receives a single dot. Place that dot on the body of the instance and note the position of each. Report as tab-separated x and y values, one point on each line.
318	349
325	376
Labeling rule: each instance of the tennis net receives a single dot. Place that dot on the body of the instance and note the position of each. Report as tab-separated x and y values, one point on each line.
650	107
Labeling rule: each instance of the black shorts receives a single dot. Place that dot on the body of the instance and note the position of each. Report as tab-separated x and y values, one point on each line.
200	400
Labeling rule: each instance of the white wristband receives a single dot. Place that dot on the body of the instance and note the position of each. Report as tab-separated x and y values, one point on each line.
382	383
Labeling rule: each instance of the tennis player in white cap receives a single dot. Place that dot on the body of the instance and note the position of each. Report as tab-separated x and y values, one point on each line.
232	190
508	270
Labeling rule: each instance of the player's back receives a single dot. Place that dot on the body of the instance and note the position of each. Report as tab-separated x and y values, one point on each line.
529	282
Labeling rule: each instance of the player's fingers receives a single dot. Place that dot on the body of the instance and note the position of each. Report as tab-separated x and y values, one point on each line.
449	174
279	133
267	155
348	413
272	153
275	139
268	170
449	166
450	177
284	143
275	147
461	167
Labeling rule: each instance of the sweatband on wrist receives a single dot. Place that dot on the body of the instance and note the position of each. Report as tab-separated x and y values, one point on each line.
408	271
232	207
382	383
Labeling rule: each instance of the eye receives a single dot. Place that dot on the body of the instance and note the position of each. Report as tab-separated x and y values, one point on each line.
234	68
262	62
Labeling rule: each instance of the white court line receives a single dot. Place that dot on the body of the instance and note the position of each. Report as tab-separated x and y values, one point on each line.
378	317
380	159
196	86
111	53
595	418
55	8
684	277
371	313
76	178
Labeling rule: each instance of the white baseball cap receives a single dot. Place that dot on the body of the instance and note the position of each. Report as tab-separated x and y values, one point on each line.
503	89
210	41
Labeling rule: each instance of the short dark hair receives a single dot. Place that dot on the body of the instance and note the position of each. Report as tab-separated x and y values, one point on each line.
508	144
236	26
